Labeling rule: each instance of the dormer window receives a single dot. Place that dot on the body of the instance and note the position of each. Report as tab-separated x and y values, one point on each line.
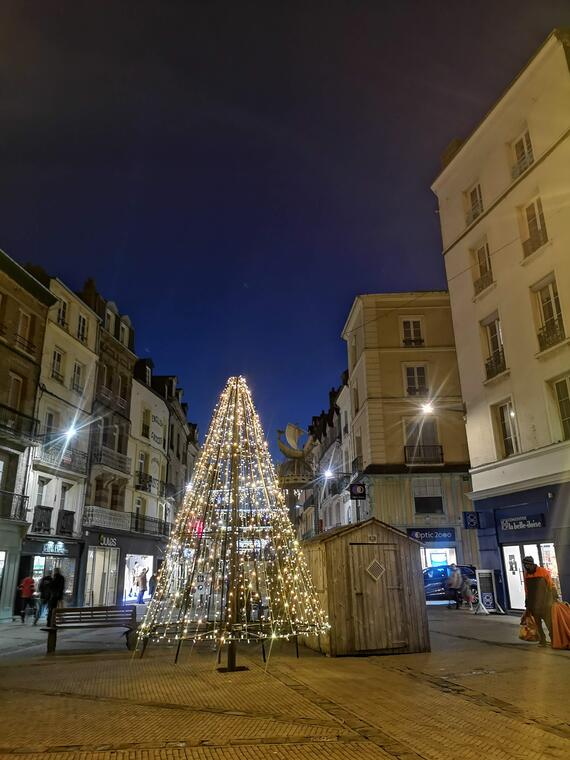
110	321
124	334
148	374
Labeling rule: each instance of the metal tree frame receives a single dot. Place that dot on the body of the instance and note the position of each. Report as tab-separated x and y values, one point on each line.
234	570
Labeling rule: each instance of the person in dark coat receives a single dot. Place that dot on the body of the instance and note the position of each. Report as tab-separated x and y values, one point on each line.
152	584
56	593
44	590
541	593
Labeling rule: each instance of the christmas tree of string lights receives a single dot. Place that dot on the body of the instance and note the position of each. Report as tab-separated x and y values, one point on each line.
233	570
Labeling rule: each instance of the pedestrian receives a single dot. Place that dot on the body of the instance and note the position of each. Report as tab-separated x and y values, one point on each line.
152	585
467	592
454	582
27	587
57	587
44	590
142	586
541	593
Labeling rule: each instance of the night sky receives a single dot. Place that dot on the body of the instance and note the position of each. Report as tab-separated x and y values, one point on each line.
233	174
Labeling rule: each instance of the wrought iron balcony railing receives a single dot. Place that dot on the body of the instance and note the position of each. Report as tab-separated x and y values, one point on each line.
150	525
57	375
13	506
63	457
114	459
522	165
483	282
25	344
537	239
41	522
143	482
18	425
495	364
417	390
551	334
423	454
101	517
475	211
412	341
65	523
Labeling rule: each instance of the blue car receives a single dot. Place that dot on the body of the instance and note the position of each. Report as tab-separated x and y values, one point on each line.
435	581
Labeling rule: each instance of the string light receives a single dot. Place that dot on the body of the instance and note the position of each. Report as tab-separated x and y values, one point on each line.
234	570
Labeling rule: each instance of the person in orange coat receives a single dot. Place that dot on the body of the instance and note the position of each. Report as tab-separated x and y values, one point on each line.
540	595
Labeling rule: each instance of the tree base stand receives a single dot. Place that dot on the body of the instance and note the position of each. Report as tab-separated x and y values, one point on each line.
232	670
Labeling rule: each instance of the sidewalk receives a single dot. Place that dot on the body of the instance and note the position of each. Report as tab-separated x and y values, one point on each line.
469	699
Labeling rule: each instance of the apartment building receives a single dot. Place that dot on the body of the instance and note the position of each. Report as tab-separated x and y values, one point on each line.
182	441
24	304
408	432
106	517
58	475
504	205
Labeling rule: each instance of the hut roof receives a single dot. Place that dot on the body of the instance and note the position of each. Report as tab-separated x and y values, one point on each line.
330	534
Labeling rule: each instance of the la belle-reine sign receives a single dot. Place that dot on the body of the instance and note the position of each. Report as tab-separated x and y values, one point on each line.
522	522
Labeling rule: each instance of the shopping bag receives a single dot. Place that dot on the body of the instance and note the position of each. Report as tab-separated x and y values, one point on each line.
561	625
528	630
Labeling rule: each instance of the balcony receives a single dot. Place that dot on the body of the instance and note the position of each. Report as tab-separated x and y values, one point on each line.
537	239
114	459
62	457
65	522
483	282
13	506
143	482
77	387
475	211
522	165
57	375
25	345
412	342
122	403
495	364
417	390
357	465
423	454
551	334
104	394
42	520
171	491
17	425
101	517
152	526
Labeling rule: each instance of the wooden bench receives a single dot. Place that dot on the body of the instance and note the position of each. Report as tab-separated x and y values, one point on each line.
93	617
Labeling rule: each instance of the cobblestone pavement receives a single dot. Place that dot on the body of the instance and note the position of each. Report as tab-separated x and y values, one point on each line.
480	694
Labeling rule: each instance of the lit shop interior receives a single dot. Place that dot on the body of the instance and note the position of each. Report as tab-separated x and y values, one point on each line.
436	557
134	566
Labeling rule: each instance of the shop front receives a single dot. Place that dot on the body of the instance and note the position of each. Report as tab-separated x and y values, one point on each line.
114	566
532	523
41	556
438	545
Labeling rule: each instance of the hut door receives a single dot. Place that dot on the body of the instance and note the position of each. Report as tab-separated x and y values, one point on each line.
377	596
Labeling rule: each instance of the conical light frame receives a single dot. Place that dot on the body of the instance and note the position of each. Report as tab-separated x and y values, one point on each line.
234	570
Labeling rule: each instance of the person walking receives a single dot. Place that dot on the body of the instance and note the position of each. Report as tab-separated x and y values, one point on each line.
152	584
142	586
466	592
27	587
44	590
541	593
454	582
57	588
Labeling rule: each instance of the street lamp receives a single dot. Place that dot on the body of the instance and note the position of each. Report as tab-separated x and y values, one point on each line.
427	408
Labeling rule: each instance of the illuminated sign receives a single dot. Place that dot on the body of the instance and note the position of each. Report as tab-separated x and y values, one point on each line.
110	541
357	491
522	523
54	547
433	535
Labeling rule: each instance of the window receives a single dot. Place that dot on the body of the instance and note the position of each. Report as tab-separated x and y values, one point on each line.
562	389
142	461
65	489
416	383
122	385
62	314
551	329
52	423
483	271
534	227
178	445
171	437
24	331
355	399
145	432
57	365
474	203
124	334
42	485
148	373
412	332
16	391
506	421
3	299
82	328
495	362
422	442
428	499
110	321
522	154
77	378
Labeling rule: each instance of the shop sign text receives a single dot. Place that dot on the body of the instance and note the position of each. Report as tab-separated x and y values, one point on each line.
434	535
110	541
522	523
54	547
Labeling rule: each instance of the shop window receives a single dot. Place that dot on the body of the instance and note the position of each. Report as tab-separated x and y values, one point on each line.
427	494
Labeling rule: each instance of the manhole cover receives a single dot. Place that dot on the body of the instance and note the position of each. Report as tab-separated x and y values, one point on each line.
375	570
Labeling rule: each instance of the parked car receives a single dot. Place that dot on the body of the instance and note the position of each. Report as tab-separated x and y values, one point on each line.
435	580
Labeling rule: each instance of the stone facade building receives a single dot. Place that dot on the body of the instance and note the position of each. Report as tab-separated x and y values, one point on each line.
24	304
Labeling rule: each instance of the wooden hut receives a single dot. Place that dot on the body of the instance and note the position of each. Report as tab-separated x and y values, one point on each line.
369	579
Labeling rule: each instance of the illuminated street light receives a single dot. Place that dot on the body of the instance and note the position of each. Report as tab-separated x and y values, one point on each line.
70	433
427	408
328	473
